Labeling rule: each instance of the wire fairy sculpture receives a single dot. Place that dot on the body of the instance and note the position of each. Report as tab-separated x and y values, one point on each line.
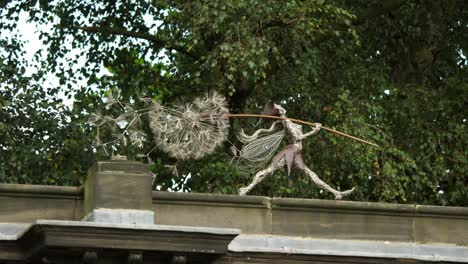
257	151
191	130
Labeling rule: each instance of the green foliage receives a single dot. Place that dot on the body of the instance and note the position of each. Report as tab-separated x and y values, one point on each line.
390	71
42	145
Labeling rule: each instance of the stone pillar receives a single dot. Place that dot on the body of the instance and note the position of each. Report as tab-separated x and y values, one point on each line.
118	191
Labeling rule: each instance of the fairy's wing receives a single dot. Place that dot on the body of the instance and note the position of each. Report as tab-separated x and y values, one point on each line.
260	151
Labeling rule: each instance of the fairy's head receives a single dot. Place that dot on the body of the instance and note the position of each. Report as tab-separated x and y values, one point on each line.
280	109
273	109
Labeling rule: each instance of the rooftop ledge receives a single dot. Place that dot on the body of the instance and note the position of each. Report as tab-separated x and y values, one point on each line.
267	226
260	201
256	215
48	191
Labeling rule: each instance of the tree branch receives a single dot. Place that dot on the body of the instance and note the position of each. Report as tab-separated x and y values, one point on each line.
140	35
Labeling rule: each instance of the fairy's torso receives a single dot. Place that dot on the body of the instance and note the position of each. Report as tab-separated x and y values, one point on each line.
295	132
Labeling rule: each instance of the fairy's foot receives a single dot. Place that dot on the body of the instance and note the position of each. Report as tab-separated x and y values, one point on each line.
340	195
243	191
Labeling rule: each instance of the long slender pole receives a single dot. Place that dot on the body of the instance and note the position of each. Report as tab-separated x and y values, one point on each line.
304	123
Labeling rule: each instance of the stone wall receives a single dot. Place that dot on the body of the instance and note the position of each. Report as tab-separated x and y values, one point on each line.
26	203
258	215
315	218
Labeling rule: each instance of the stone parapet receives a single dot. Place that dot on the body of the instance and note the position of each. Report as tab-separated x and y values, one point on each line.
316	218
26	203
319	219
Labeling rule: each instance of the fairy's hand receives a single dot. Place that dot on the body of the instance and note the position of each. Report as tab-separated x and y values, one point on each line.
317	125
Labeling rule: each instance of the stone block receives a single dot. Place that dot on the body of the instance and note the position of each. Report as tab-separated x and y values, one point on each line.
118	185
435	224
340	220
251	214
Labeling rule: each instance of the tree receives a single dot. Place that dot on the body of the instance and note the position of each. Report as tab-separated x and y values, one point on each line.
393	71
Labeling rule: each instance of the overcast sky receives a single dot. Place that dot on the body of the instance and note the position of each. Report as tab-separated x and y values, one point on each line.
27	31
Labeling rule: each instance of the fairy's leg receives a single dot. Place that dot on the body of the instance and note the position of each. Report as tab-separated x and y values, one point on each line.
338	195
261	175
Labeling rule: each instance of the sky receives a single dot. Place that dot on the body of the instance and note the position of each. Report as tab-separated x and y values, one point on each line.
28	33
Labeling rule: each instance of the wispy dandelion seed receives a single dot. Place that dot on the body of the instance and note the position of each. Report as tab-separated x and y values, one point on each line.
189	130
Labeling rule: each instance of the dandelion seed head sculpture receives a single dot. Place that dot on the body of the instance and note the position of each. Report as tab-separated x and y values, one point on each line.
191	130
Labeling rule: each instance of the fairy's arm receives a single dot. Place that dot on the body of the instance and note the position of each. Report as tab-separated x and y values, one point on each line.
314	130
244	138
296	130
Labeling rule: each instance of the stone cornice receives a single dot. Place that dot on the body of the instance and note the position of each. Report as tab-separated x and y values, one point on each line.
81	237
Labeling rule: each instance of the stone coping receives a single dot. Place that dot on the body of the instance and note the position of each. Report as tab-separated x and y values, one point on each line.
178	197
312	204
48	190
11	231
123	166
349	248
370	207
